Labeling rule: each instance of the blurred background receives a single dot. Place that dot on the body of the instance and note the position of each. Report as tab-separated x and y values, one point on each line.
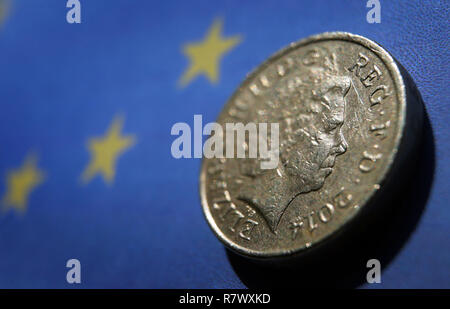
86	111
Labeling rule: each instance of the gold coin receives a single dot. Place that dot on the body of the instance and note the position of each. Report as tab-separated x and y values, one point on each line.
348	119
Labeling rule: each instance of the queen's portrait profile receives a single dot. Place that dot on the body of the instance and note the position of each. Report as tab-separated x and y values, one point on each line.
311	109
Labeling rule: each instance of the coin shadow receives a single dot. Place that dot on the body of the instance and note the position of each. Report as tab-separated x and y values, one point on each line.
344	264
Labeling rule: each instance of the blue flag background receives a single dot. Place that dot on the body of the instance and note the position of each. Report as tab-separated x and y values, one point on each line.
65	88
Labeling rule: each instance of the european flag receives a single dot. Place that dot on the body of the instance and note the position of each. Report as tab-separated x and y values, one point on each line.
90	194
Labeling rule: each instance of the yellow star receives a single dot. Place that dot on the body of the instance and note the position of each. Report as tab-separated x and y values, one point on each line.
20	183
4	8
105	151
205	56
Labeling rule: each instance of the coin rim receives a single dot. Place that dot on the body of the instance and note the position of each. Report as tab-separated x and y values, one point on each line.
397	77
